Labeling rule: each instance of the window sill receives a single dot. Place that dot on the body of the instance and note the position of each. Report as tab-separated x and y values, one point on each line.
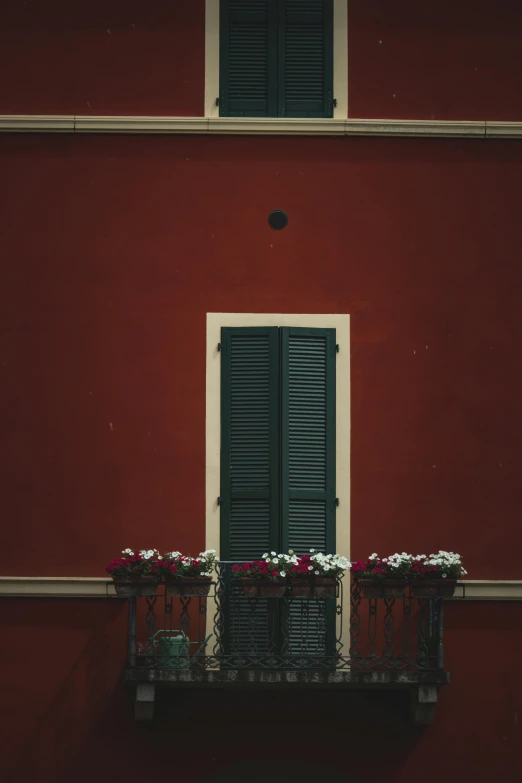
271	126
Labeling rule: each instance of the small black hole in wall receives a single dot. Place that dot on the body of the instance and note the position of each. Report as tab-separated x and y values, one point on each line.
278	219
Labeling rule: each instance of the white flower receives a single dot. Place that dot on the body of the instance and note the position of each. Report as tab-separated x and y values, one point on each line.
273	553
444	576
275	561
128	552
310	568
265	555
283	573
317	573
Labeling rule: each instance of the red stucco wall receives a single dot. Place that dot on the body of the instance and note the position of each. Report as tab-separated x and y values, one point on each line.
406	59
102	57
443	60
66	717
113	251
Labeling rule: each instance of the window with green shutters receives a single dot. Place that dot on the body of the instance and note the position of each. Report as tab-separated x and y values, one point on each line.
276	58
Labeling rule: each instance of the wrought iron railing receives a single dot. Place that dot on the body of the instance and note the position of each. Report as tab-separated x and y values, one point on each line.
230	630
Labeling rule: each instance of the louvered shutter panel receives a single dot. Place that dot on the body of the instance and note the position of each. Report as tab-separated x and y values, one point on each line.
308	471
248	58
308	439
249	473
305	54
249	442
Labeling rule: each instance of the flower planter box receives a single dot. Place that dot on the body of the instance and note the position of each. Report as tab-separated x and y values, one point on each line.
313	587
301	588
385	588
253	588
434	588
189	586
136	586
324	587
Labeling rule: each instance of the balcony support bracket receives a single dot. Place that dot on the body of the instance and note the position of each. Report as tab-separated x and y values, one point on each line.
144	704
424	702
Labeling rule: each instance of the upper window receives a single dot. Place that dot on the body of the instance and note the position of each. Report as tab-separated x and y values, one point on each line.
276	58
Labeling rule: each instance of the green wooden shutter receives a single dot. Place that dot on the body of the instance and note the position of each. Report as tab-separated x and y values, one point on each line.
308	510
308	439
249	442
249	475
248	58
305	58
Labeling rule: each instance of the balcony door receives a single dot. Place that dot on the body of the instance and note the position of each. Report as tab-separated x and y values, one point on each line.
277	470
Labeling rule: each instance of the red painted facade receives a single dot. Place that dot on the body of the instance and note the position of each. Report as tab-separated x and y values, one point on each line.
98	57
407	60
67	717
114	249
435	61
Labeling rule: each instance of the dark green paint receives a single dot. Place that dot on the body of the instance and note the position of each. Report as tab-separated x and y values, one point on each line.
276	58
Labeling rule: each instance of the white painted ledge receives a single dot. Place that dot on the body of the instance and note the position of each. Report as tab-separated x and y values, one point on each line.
93	587
36	123
504	130
425	128
55	587
258	126
489	590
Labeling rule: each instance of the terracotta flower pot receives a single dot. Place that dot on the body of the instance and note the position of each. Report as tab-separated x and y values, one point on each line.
257	588
434	588
384	588
323	587
190	586
136	586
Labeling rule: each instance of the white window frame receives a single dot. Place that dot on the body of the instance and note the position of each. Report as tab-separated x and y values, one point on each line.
341	323
340	48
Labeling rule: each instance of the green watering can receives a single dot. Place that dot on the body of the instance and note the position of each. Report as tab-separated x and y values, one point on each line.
174	650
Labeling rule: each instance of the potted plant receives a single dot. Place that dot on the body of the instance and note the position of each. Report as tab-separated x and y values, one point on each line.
266	577
315	575
188	576
136	573
383	578
436	575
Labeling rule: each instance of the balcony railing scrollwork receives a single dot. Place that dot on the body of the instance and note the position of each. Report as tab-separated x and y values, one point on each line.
228	630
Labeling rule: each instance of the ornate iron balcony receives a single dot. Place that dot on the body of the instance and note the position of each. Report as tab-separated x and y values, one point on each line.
237	638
